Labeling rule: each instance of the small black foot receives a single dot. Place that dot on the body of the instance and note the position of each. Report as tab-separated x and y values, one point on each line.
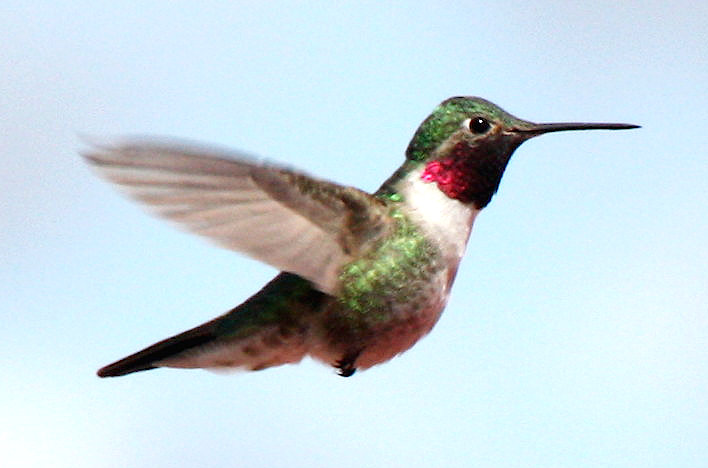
346	364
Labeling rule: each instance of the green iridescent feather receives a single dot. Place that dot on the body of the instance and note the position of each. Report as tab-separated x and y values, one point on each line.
392	272
445	120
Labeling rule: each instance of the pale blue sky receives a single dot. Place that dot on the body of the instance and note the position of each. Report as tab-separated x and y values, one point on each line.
577	331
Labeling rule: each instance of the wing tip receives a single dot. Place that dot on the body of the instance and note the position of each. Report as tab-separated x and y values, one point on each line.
99	152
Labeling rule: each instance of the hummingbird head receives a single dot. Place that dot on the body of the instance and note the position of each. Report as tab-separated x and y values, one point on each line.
466	143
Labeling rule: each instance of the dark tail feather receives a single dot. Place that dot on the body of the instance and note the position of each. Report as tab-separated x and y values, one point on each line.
257	332
145	359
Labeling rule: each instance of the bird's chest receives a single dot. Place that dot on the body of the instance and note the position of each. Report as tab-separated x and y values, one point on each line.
394	295
445	221
444	225
401	273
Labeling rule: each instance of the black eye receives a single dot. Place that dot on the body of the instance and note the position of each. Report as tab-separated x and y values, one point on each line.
479	125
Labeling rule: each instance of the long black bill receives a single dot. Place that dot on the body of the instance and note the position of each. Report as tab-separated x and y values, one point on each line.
537	129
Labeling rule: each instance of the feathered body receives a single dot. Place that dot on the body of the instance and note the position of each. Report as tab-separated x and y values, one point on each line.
365	276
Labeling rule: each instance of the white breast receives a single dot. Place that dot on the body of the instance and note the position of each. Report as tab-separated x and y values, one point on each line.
444	220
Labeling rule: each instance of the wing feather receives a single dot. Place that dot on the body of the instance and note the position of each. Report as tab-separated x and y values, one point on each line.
287	219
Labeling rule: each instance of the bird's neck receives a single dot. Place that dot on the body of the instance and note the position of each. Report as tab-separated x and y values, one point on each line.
469	173
445	220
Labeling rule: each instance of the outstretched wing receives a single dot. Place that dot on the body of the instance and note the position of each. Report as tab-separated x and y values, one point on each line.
287	219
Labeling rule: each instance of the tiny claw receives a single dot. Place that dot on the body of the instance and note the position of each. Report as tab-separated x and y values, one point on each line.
346	364
346	371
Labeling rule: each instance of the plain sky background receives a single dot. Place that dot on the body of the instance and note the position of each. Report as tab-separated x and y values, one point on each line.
577	331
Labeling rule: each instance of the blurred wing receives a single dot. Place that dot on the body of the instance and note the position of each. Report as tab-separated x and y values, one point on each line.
287	219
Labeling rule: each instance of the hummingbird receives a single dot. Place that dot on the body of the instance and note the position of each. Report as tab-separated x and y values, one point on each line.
362	276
